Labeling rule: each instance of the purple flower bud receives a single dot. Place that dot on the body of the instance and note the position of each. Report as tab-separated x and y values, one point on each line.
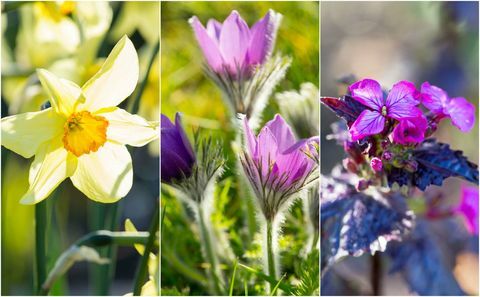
362	185
233	47
177	156
410	131
387	156
276	165
376	164
468	208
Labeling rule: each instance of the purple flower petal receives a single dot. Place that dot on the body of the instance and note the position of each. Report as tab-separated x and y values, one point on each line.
267	149
214	28
410	131
183	136
462	113
262	38
208	45
166	123
434	98
468	208
250	139
282	132
376	164
368	123
368	92
234	41
403	92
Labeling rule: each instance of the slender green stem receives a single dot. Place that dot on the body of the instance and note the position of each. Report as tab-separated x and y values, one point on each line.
40	245
314	240
142	271
270	254
206	240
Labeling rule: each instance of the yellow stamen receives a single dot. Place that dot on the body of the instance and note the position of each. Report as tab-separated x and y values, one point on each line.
84	133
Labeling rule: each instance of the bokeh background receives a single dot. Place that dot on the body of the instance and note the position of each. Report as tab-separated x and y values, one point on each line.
393	41
72	39
186	89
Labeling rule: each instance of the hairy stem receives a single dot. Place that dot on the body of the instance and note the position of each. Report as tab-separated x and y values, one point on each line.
271	269
211	257
40	245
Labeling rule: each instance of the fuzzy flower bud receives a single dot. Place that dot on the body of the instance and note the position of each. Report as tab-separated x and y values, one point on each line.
276	166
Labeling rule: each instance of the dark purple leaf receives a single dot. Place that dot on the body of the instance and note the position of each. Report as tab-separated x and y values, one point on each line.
345	107
436	162
419	259
353	223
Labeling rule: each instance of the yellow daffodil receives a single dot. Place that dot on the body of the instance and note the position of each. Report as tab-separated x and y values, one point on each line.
83	134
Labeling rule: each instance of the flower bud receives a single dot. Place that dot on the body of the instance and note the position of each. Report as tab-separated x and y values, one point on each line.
349	165
387	156
353	150
376	164
362	185
177	157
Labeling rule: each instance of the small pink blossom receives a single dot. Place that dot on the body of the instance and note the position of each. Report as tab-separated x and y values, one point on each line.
376	164
468	208
410	131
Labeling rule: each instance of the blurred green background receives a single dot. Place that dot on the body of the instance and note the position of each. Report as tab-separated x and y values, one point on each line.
186	89
72	39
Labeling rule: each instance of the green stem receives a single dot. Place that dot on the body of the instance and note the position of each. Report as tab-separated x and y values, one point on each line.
40	245
142	271
270	254
314	240
210	254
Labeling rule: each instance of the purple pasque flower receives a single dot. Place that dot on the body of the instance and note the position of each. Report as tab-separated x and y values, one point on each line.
277	165
233	46
410	131
376	164
468	208
177	156
459	110
400	103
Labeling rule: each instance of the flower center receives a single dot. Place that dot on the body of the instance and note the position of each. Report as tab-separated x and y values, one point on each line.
384	111
84	133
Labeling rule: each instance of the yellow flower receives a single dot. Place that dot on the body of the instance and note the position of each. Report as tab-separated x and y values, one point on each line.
83	134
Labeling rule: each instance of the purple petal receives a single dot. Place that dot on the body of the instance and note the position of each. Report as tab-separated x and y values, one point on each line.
250	138
214	28
208	45
282	133
166	123
462	113
368	92
410	131
433	98
267	149
402	93
173	166
262	38
468	207
234	41
368	123
404	111
295	166
183	136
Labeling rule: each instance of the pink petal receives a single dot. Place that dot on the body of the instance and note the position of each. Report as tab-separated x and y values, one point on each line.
368	123
402	111
282	133
262	38
403	92
433	98
207	44
462	113
368	92
267	149
249	138
214	28
234	41
410	131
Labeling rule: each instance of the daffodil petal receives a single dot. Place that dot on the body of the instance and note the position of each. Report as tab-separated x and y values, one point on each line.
116	80
105	175
63	94
23	133
52	165
126	128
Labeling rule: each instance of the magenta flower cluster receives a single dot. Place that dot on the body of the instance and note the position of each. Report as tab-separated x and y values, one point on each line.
401	108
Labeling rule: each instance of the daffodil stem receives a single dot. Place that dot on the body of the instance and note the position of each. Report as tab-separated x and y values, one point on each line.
40	245
206	241
270	254
135	103
142	271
